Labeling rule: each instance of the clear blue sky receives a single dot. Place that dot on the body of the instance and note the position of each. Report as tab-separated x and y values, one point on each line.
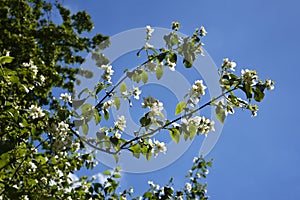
255	158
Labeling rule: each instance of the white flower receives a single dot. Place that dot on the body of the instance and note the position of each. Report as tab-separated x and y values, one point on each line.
7	53
63	128
170	64
151	183
33	166
188	187
121	123
149	31
198	88
160	147
150	142
269	84
35	112
34	69
66	97
117	135
148	46
136	93
202	31
131	190
249	76
228	64
42	78
107	104
195	159
156	108
108	72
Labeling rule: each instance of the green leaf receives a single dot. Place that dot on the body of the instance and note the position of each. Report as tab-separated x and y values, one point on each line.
107	172
100	135
193	131
77	103
6	59
187	63
180	107
136	150
220	114
117	102
258	94
85	128
145	77
117	176
175	135
159	72
145	121
123	87
99	87
97	117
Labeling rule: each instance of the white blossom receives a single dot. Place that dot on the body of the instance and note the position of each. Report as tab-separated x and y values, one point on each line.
7	53
269	84
148	46
66	97
229	64
249	76
107	104
136	92
42	78
35	112
117	135
108	72
195	159
188	187
202	31
149	32
197	90
121	123
63	128
160	147
131	190
170	64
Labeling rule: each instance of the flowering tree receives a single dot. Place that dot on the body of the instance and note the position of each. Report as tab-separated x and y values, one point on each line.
41	146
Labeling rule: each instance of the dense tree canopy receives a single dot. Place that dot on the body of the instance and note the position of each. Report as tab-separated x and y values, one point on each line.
40	142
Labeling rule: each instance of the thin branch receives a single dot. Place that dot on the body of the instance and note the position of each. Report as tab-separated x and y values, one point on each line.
92	145
175	120
126	76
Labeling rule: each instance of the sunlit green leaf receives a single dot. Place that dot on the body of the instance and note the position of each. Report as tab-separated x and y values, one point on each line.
159	72
145	77
175	135
123	87
220	114
180	107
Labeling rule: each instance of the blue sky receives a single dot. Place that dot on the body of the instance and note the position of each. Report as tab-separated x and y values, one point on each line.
255	158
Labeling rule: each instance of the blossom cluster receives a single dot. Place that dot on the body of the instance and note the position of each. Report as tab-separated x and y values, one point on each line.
66	97
107	104
203	32
120	124
154	105
149	32
136	93
63	129
35	112
108	72
197	90
228	64
170	64
157	147
249	76
32	66
203	125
